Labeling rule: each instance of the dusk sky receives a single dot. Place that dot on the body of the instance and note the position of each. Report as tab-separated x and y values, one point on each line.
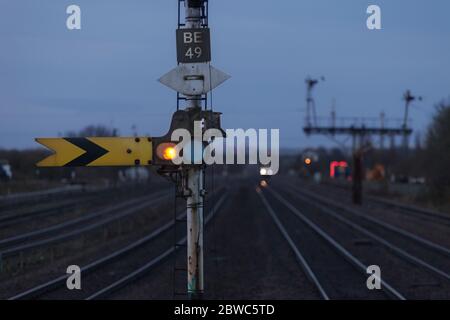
53	80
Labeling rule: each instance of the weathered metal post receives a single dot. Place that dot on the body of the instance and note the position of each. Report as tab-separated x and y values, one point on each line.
193	78
409	98
194	185
195	285
357	176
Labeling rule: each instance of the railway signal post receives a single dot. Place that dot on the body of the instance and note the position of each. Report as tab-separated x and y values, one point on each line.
358	130
192	79
195	188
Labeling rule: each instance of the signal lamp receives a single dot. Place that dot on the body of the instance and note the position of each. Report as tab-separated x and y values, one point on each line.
166	151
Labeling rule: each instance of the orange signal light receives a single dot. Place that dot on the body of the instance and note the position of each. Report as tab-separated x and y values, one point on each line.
166	151
308	161
169	153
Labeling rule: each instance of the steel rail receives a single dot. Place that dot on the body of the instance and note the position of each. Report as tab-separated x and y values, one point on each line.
98	263
92	198
15	250
437	247
424	213
413	259
57	227
300	259
429	214
8	220
59	281
339	248
136	274
441	249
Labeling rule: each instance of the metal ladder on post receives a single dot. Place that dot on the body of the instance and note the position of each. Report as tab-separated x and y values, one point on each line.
179	272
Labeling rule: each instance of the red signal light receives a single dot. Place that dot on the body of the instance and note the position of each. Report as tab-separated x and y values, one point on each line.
337	164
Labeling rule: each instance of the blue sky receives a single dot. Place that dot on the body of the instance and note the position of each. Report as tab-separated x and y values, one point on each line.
53	80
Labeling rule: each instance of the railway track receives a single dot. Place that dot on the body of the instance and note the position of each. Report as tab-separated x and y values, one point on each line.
12	218
81	201
426	263
375	202
336	273
421	213
126	263
410	226
27	198
16	246
373	221
60	230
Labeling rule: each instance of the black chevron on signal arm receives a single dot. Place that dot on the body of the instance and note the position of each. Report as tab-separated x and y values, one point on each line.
93	152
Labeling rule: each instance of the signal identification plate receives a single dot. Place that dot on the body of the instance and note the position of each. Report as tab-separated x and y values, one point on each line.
193	45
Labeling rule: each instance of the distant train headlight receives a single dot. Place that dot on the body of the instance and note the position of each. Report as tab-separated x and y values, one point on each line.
263	171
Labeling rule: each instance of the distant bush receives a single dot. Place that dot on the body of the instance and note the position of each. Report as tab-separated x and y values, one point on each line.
437	151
